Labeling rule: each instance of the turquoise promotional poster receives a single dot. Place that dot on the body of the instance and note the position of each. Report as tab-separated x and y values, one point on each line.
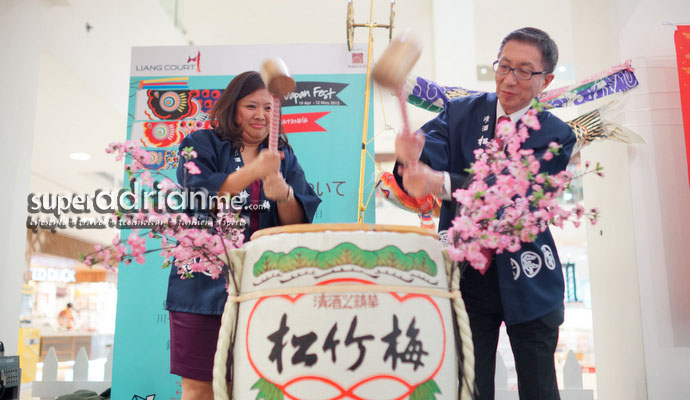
172	90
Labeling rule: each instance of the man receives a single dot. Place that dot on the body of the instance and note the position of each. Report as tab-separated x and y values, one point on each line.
522	289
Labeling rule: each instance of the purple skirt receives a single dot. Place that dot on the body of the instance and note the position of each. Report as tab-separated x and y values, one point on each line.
193	339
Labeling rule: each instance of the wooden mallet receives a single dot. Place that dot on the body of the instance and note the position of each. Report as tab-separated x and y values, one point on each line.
397	61
393	67
277	79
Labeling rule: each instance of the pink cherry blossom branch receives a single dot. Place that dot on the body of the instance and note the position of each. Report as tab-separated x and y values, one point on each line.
507	200
193	249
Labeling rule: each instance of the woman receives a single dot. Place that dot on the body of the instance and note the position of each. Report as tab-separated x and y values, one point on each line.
233	159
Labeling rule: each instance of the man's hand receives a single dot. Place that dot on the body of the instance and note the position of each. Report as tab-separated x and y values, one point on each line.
419	180
409	146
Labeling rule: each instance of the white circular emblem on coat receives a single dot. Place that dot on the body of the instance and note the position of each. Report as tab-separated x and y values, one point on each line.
531	263
516	269
549	259
443	236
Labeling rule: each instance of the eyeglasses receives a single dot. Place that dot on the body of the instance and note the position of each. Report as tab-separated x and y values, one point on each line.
519	73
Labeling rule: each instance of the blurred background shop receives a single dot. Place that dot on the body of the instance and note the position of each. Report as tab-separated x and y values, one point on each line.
65	304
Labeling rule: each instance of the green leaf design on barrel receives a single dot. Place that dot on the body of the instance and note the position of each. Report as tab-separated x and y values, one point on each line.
267	390
426	391
345	254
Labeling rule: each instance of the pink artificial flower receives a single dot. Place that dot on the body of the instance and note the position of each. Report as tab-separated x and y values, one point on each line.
192	168
146	179
505	129
455	254
579	210
167	185
481	170
530	119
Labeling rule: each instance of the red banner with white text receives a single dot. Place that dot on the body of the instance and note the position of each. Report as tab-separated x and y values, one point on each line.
682	38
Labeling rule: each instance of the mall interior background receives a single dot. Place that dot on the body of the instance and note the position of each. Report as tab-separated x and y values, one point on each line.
65	79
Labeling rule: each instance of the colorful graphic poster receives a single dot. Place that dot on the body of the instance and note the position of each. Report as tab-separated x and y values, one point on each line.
682	38
172	90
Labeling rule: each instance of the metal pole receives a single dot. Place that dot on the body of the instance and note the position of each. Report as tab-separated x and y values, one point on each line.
365	126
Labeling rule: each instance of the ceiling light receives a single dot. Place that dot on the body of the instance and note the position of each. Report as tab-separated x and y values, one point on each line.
80	156
484	72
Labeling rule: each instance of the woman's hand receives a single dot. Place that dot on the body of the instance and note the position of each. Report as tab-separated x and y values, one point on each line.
275	187
266	163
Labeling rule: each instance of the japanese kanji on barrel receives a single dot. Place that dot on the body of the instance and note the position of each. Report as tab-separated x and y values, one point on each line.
342	311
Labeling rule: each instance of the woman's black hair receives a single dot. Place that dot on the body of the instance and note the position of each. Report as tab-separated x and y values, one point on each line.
223	113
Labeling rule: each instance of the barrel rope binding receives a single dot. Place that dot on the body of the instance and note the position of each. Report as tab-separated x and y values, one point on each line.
226	333
463	323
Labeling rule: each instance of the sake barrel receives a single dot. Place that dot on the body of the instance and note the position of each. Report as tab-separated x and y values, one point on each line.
345	311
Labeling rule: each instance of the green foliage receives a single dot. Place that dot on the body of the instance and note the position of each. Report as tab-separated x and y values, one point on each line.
188	150
343	254
267	390
538	105
426	391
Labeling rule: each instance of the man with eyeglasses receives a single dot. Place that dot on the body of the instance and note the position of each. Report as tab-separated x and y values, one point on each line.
523	289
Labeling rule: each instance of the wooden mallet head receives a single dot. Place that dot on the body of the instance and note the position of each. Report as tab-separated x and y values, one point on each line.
276	77
397	61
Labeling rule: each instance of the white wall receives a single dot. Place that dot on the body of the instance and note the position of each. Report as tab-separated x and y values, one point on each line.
454	43
661	194
20	44
611	243
639	266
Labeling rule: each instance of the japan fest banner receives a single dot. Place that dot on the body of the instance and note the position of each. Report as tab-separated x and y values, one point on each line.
171	93
682	38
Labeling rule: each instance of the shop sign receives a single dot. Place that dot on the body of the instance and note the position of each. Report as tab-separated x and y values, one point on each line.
52	275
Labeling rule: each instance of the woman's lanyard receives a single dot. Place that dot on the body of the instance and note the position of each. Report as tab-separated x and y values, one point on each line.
254	196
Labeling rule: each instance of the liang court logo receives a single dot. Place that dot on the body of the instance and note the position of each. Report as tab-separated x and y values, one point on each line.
193	63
